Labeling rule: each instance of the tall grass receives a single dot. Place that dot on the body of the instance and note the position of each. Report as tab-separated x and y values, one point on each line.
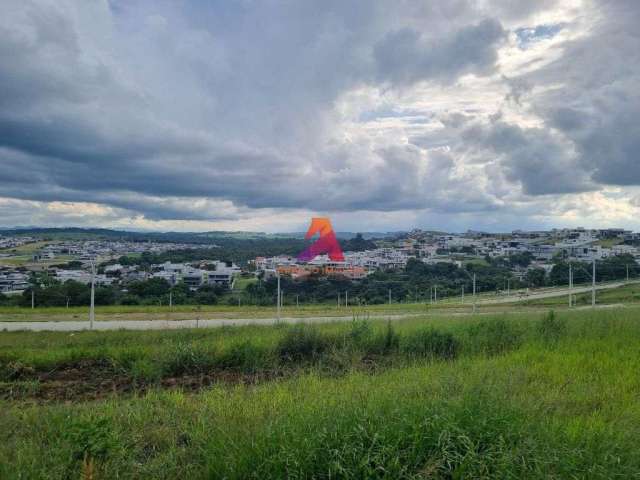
550	396
153	355
530	413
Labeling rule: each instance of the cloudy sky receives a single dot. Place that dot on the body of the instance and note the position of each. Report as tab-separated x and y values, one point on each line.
256	114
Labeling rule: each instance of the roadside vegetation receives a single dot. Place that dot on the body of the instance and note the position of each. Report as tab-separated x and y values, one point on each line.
549	395
626	294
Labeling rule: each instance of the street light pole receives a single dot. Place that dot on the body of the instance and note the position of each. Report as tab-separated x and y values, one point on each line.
627	272
570	285
92	312
278	299
474	293
593	285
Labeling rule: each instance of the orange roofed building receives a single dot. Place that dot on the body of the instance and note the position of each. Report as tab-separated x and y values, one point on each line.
325	270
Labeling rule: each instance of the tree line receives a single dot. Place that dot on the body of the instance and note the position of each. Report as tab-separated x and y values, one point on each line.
414	283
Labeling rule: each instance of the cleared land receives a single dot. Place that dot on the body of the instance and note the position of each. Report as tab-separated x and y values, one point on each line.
533	395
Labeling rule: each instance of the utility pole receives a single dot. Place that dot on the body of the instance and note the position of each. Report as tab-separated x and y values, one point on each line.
462	293
435	293
170	299
338	299
389	296
508	287
33	298
627	272
92	312
570	285
593	285
278	300
346	298
297	303
474	293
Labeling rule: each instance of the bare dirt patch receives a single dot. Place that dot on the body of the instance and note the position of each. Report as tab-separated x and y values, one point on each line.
86	382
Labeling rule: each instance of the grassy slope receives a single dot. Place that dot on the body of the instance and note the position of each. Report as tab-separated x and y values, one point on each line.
27	248
563	408
628	294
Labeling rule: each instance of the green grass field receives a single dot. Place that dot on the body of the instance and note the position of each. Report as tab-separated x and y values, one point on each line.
27	248
242	283
628	294
178	312
533	395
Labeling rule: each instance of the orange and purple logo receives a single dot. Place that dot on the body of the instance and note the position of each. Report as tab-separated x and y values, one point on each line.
326	242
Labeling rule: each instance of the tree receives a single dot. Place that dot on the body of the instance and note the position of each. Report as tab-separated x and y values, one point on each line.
520	259
154	287
357	244
207	295
536	277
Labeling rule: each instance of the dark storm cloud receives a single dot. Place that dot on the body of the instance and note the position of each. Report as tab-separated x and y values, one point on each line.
406	57
112	105
595	102
205	110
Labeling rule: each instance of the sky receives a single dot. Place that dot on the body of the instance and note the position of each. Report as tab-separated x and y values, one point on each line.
195	115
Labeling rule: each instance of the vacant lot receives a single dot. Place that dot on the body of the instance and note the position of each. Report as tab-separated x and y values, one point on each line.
511	396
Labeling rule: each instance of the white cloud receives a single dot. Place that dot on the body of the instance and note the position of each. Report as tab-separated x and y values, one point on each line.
246	115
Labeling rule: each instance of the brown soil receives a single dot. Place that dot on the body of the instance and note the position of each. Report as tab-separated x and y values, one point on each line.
85	382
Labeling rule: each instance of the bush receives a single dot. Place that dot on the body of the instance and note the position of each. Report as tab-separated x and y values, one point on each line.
91	438
186	359
551	328
244	356
493	337
301	342
430	343
360	334
385	342
145	370
130	300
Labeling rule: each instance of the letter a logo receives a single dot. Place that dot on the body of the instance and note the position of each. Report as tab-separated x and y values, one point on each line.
326	243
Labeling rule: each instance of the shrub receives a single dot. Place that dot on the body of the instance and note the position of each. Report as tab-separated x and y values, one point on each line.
145	370
130	300
551	328
430	343
493	337
91	438
186	359
385	342
244	356
301	342
360	333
